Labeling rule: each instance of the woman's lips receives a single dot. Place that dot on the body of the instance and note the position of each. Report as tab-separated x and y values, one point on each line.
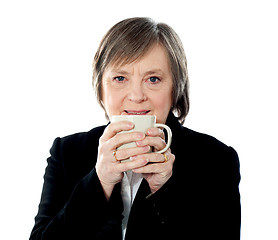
136	112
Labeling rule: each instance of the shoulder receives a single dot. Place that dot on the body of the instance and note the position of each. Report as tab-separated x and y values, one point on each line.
83	138
209	150
198	146
185	139
78	143
204	140
198	140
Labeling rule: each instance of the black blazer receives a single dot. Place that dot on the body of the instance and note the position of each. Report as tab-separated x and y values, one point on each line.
200	201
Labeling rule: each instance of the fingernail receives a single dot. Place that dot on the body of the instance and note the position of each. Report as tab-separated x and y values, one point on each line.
140	143
140	135
130	125
146	148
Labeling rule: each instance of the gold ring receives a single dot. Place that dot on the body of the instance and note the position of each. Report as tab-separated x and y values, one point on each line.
166	158
114	155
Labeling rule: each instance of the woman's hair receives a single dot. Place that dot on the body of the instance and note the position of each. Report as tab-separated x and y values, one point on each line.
129	40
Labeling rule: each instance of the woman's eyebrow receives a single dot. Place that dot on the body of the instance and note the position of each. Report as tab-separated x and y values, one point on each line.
149	72
119	71
154	71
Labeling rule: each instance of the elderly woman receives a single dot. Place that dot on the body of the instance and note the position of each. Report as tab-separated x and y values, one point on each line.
189	192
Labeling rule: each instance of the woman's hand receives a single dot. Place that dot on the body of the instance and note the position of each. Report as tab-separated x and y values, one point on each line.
109	170
160	170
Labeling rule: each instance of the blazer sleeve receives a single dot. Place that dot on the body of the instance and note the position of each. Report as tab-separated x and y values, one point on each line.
75	211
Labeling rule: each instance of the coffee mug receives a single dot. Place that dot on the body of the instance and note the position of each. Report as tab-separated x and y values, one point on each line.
142	124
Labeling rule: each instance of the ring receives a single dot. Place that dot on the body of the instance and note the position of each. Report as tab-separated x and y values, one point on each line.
114	155
166	158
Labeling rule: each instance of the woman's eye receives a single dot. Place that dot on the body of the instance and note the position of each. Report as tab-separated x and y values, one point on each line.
120	78
154	79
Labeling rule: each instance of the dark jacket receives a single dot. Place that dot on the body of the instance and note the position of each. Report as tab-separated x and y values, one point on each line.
200	201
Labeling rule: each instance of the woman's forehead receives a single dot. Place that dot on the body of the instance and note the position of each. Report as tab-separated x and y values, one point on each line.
154	60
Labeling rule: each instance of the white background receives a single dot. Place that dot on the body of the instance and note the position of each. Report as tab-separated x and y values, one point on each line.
46	53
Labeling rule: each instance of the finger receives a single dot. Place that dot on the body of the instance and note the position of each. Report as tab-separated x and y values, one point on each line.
155	132
157	142
126	166
152	157
123	138
113	128
165	158
129	152
150	168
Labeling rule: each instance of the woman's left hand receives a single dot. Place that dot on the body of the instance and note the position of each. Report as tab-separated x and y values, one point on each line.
160	167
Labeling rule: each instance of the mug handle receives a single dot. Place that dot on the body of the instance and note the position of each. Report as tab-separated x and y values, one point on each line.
169	133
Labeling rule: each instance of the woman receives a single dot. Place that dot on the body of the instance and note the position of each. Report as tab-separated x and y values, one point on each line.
189	192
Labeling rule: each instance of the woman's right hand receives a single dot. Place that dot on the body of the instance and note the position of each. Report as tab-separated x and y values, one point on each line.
109	170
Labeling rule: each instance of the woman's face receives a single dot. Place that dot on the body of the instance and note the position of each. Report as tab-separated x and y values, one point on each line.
143	87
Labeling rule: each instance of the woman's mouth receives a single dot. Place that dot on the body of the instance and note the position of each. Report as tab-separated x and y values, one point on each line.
135	112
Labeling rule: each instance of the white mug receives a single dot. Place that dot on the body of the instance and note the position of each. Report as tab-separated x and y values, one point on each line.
142	124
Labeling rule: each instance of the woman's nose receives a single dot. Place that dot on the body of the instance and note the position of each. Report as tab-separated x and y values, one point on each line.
136	93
